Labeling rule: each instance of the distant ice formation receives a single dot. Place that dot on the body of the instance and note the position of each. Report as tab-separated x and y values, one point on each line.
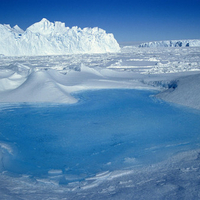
47	38
172	43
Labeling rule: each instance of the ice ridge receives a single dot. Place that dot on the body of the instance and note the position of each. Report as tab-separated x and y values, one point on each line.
172	43
48	38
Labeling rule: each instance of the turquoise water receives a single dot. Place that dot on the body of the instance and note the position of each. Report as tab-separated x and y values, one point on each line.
105	130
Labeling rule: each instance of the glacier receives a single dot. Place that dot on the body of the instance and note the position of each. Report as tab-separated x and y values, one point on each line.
48	38
172	43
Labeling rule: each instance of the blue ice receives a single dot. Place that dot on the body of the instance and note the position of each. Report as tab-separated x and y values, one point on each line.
105	130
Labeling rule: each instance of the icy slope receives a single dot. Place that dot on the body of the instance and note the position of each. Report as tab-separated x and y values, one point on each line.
172	43
47	38
186	93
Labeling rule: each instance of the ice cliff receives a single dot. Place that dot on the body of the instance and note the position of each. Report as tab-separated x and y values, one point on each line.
172	43
47	38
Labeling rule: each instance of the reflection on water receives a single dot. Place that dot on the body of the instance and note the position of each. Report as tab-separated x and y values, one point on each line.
105	130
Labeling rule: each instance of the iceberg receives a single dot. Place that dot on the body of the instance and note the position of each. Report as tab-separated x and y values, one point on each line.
172	43
48	38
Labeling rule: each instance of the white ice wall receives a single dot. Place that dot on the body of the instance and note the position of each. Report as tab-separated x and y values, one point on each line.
47	38
172	43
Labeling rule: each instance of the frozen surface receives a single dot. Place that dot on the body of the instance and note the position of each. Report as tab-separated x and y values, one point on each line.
60	140
53	78
48	38
111	142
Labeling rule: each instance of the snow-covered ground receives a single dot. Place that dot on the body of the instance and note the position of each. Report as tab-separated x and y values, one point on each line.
171	72
54	78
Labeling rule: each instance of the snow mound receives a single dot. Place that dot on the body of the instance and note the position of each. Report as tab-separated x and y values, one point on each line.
23	83
39	86
172	43
186	92
47	38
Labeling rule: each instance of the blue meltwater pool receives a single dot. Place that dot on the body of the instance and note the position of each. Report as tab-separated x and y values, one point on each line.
106	130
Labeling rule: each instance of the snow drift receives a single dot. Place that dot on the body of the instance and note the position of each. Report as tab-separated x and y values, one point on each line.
22	83
47	38
186	92
172	43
